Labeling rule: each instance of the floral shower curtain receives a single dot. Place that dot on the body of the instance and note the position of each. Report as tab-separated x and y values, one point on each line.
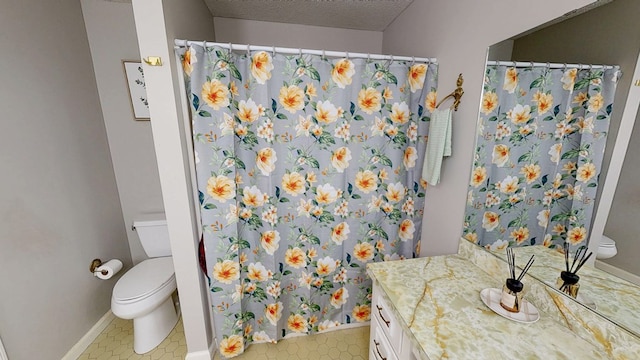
540	144
307	169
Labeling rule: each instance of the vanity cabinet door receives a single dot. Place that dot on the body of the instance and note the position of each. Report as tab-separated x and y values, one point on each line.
389	325
379	346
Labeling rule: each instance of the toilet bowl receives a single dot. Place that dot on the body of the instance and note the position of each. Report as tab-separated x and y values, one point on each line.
606	249
144	293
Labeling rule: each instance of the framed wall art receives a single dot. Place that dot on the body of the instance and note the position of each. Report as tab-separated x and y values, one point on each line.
137	89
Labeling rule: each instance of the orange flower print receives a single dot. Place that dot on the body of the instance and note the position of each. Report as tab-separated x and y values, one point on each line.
340	158
266	160
232	346
295	257
270	241
188	59
297	323
544	101
366	181
291	98
509	185
252	196
233	88
327	324
339	297
257	272
293	183
369	100
543	217
395	192
310	90
586	172
342	73
580	98
519	115
326	112
520	235
221	188
325	266
490	220
410	157
472	237
500	155
431	100
547	241
577	235
261	66
361	313
387	94
363	251
273	312
416	76
248	111
340	233
326	194
215	94
510	80
400	113
569	79
406	230
531	172
478	176
226	271
596	102
489	102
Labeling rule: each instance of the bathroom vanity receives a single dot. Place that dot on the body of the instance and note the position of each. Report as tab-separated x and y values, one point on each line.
430	308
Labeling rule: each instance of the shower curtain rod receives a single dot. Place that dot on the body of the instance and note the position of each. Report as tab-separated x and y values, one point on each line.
283	50
549	65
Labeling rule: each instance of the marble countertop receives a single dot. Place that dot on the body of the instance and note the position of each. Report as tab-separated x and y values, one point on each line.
614	298
437	302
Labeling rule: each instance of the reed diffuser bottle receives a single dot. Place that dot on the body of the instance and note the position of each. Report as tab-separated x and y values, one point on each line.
567	282
511	298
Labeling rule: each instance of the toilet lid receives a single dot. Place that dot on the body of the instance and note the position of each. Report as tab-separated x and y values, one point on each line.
144	279
606	241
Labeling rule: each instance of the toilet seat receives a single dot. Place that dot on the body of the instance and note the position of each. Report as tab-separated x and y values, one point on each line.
607	242
144	280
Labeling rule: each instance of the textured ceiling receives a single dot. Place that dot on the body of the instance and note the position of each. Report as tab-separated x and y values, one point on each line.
373	15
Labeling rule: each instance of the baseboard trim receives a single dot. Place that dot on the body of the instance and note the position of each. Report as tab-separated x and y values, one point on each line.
88	338
203	355
622	274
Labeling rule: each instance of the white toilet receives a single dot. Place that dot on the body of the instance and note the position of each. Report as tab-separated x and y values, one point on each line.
606	249
144	293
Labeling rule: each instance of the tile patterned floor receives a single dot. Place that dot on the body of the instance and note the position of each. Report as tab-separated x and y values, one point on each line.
116	343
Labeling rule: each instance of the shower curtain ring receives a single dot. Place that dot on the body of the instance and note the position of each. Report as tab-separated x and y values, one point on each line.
273	51
248	50
347	54
230	47
299	52
413	60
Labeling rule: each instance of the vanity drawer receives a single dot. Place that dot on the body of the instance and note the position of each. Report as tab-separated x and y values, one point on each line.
379	347
387	322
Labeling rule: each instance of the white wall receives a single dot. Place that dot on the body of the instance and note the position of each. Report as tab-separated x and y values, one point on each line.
158	23
112	38
458	34
614	38
296	36
59	205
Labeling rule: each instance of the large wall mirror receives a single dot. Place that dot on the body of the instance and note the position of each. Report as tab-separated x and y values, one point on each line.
556	103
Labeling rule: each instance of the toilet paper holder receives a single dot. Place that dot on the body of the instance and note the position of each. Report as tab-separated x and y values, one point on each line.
95	263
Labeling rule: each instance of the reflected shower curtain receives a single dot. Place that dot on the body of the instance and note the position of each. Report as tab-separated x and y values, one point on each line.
307	169
540	144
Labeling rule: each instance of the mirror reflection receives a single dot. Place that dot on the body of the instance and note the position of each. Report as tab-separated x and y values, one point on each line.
552	104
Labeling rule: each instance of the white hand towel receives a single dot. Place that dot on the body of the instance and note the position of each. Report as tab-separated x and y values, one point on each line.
438	145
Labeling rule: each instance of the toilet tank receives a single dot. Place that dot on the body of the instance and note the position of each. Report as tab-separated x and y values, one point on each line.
153	233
